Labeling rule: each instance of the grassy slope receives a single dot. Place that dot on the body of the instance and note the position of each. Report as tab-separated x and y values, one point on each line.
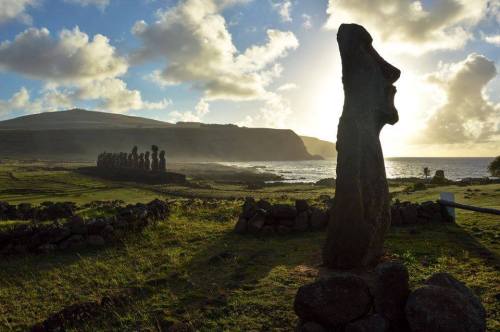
192	268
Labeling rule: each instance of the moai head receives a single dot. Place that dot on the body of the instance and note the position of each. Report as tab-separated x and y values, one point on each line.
162	154
154	148
368	79
134	151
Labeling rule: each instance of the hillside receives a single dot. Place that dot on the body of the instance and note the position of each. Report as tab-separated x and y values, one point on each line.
80	119
318	147
81	135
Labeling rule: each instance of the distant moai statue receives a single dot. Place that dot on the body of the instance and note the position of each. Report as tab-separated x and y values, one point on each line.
99	160
147	163
141	161
163	162
130	160
135	158
154	156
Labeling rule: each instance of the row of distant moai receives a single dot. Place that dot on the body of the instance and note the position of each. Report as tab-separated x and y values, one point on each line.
134	160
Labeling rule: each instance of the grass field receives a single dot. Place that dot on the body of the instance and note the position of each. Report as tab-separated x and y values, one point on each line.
192	269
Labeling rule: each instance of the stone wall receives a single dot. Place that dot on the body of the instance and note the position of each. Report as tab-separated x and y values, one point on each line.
46	211
262	217
78	233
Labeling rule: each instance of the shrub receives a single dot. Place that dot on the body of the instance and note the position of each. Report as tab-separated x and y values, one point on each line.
494	167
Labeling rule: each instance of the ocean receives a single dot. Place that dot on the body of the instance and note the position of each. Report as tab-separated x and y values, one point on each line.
314	170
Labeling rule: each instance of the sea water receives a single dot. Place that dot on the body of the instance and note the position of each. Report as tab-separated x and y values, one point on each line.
314	170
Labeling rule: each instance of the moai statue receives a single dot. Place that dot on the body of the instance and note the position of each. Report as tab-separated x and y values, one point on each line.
99	160
163	162
147	163
154	158
135	158
361	214
141	161
130	160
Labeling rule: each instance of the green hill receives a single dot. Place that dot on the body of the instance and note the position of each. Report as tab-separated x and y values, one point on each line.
81	135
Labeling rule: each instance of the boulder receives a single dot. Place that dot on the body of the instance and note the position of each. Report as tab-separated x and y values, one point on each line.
301	205
283	230
319	219
301	222
249	207
310	327
241	225
373	323
282	211
256	222
265	205
409	215
335	301
77	225
73	242
391	290
96	240
444	305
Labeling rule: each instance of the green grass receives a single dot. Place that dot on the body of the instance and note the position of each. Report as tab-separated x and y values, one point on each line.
193	269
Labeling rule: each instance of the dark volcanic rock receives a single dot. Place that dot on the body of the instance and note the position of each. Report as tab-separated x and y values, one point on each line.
241	226
301	205
361	212
319	219
391	290
374	323
333	302
310	327
301	222
257	221
445	305
282	211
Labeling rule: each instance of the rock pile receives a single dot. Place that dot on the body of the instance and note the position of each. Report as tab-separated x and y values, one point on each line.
265	218
78	233
46	211
381	301
407	213
262	217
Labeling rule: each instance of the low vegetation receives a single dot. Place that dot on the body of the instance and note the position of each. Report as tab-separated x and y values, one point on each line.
192	270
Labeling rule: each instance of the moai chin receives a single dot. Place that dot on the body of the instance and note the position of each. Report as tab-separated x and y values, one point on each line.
361	213
154	158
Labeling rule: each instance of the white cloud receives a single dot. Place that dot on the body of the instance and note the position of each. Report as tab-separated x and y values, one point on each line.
87	68
101	4
407	25
287	87
307	21
193	39
467	115
22	102
116	97
201	109
492	39
16	10
284	9
273	114
70	58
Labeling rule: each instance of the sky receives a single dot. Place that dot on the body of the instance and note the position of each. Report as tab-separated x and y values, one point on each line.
258	63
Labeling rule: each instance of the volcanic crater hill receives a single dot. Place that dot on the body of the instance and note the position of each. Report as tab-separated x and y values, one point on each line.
81	135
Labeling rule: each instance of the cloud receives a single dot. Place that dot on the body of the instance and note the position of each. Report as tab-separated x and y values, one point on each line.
467	116
284	8
201	109
116	97
22	102
101	4
407	25
492	39
87	68
193	39
287	87
71	58
307	21
16	10
273	114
